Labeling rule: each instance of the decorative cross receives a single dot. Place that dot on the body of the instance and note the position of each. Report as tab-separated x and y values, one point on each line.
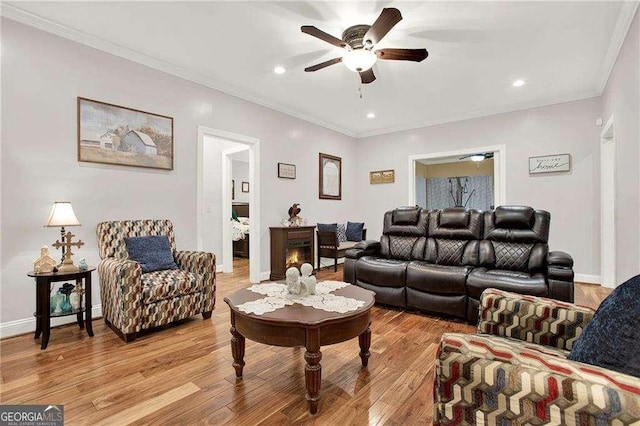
66	249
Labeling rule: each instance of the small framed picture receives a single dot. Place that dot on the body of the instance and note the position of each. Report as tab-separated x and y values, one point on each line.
286	171
233	189
245	186
550	164
382	176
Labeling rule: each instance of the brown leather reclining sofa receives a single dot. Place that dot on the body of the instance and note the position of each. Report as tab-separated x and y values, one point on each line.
440	261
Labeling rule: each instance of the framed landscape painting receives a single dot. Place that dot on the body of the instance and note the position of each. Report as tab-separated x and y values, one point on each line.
114	134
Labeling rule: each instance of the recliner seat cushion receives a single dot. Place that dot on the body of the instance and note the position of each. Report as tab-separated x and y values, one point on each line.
439	279
381	272
515	281
167	284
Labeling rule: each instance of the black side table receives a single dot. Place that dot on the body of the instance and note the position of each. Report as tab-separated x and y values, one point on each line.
43	312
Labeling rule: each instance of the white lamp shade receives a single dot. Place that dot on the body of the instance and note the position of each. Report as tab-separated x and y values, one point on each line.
62	215
359	60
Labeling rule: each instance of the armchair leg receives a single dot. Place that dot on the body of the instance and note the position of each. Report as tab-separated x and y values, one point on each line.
206	315
335	264
129	337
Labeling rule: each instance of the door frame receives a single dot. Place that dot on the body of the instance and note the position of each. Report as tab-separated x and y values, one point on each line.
608	205
499	170
254	197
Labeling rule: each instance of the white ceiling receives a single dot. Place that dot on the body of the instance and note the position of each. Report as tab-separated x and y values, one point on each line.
563	50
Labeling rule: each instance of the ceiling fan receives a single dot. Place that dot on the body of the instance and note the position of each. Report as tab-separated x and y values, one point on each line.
358	42
478	156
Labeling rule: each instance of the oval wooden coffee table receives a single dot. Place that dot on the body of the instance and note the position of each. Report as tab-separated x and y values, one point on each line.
301	326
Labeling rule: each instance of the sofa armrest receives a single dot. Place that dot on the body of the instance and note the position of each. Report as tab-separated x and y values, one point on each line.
560	276
532	319
121	293
483	377
204	265
364	248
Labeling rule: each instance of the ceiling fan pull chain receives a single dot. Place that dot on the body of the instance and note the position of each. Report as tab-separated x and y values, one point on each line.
360	90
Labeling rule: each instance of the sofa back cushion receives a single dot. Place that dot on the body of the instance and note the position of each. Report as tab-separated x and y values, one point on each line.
515	239
111	235
404	233
453	237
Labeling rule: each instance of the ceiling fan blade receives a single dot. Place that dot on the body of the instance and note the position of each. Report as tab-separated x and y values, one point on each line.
323	64
388	19
416	55
313	31
367	76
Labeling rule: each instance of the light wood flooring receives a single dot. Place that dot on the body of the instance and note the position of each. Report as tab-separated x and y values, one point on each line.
183	375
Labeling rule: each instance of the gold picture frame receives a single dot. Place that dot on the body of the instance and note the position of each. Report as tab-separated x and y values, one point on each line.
382	176
330	177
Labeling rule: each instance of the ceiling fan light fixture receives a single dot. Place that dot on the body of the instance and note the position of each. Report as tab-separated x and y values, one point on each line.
358	60
477	157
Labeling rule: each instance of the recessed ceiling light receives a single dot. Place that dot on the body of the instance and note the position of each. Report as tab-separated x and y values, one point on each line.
279	70
518	83
371	115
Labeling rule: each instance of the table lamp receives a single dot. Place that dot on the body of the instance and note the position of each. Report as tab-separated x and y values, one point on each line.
62	215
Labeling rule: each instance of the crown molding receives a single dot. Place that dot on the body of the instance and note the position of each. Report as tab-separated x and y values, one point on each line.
623	24
572	97
27	18
625	18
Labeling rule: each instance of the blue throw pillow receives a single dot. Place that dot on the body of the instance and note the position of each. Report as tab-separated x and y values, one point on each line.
342	232
153	252
327	227
610	339
354	231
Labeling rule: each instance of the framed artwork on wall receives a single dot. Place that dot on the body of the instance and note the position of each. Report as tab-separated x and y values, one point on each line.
330	179
550	164
233	189
382	176
114	134
286	171
245	186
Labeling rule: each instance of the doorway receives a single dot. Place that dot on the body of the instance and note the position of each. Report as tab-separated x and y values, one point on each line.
214	196
470	181
608	205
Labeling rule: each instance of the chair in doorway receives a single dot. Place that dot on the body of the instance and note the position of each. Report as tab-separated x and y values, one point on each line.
329	244
132	300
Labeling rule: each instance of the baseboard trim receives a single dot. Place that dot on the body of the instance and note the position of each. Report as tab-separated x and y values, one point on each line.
28	325
587	278
264	276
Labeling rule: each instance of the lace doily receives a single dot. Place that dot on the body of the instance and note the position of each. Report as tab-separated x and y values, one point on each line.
278	297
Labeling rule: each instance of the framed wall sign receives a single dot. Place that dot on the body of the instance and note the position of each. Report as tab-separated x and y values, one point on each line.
286	171
330	179
382	176
245	186
550	164
114	134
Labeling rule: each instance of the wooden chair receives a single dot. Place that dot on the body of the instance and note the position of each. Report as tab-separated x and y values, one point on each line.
328	246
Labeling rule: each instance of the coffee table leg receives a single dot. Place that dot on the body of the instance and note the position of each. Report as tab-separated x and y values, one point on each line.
237	350
313	369
365	343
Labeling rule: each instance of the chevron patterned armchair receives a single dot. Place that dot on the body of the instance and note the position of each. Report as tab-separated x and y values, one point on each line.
515	371
133	301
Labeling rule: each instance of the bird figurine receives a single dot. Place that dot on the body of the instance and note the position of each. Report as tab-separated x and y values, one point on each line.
294	210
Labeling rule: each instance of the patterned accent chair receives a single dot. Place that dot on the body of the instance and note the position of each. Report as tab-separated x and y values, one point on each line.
133	301
516	372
